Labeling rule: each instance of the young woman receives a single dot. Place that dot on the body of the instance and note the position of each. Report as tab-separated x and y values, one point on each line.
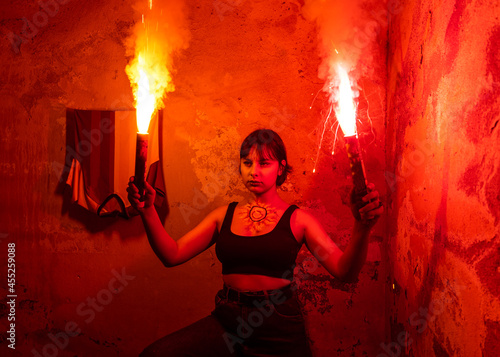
257	241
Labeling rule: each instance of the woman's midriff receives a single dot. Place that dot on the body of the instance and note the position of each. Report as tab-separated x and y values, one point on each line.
252	282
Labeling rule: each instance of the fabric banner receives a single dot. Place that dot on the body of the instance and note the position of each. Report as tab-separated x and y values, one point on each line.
102	147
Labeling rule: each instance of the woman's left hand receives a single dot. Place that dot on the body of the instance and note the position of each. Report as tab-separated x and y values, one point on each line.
372	207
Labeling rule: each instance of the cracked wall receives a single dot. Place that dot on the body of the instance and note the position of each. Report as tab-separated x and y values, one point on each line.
442	171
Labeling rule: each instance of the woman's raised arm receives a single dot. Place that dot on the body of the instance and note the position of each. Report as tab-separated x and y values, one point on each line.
344	265
168	250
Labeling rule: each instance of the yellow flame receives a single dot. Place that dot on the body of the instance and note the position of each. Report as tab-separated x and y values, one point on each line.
346	108
149	76
147	92
150	80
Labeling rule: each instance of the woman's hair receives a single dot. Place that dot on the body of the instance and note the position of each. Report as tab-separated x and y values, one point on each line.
267	144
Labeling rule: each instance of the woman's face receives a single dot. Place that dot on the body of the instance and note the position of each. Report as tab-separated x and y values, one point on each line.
259	174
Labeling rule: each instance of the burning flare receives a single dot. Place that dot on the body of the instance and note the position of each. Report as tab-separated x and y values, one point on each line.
148	72
145	101
346	117
341	101
149	79
346	108
155	38
149	83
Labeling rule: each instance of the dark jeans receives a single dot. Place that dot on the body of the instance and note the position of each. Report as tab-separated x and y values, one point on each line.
264	324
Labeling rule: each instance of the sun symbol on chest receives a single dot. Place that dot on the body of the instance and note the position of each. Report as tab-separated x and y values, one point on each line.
257	217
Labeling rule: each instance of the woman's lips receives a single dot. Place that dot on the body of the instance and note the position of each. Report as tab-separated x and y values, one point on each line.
254	183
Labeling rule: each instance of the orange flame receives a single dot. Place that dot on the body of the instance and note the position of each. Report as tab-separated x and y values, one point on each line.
149	76
149	81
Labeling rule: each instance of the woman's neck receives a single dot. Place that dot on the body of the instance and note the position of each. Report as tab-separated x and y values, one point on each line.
270	197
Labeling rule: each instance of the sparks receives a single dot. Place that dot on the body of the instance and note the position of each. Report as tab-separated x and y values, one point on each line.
346	109
341	101
149	76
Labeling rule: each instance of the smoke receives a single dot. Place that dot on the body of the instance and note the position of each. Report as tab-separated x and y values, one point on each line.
342	36
160	32
347	31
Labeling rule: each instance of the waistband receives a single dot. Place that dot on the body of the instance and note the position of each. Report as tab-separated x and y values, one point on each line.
251	297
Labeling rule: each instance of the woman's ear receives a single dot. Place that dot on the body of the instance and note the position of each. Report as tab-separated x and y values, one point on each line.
282	167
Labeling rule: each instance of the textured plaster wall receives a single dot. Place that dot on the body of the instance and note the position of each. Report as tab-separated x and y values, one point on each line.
442	171
249	64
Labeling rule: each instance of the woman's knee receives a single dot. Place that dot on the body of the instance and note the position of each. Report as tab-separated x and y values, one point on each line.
163	352
196	339
146	353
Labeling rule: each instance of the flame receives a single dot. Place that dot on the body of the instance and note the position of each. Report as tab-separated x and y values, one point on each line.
148	88
145	101
341	101
149	76
346	108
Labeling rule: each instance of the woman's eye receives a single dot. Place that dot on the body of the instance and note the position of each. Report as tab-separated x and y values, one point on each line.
247	163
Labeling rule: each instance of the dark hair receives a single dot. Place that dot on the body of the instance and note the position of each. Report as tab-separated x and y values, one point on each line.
267	143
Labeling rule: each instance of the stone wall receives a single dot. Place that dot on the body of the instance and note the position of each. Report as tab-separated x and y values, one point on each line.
443	178
92	286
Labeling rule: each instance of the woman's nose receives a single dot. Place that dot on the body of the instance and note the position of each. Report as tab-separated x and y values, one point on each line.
254	170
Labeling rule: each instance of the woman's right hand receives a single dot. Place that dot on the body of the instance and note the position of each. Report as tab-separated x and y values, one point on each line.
134	196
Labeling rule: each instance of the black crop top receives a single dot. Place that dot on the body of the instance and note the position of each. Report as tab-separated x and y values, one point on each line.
271	254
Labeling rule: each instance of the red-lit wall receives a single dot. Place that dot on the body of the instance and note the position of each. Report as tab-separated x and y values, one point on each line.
442	168
254	64
248	65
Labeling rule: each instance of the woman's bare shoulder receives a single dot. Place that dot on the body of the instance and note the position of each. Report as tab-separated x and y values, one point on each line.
302	215
300	221
219	213
303	218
